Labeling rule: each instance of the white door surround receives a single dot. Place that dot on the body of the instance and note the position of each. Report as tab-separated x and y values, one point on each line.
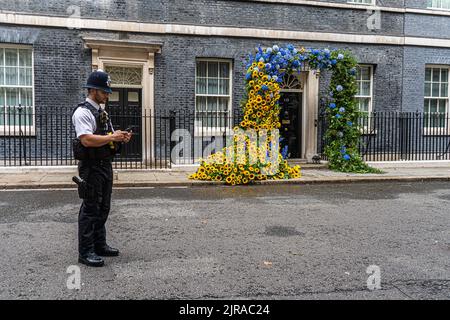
131	54
309	86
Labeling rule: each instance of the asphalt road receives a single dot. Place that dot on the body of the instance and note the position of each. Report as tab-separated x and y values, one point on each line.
262	242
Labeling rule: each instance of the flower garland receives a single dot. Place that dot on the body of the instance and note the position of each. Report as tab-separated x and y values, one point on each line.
245	160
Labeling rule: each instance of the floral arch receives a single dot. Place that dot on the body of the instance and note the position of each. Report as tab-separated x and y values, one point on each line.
253	152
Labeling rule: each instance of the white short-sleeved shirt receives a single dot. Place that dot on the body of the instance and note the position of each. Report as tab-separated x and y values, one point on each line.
83	119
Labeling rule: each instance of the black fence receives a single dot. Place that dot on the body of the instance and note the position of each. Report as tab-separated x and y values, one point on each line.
45	138
183	136
396	136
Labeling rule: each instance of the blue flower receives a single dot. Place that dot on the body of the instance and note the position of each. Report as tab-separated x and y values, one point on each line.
333	62
265	88
290	47
340	56
284	152
346	157
268	66
352	71
296	63
269	50
339	88
331	93
275	78
338	116
248	76
349	123
342	109
275	48
332	105
261	59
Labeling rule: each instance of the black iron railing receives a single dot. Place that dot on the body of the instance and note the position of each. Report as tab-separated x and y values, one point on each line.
165	138
160	139
394	136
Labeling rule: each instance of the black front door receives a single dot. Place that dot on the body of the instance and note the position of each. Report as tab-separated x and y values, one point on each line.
125	109
290	118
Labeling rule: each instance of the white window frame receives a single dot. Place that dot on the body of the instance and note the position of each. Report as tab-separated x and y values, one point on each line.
14	130
363	2
439	5
366	129
445	130
214	131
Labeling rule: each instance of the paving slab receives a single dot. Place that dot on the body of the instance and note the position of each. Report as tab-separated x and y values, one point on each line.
58	177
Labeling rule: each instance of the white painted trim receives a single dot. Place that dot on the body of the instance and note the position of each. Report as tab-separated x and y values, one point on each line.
348	5
410	164
155	28
365	7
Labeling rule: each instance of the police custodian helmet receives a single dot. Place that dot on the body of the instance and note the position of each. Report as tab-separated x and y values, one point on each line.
99	80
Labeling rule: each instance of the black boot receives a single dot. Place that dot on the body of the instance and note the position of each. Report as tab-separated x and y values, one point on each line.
91	259
106	251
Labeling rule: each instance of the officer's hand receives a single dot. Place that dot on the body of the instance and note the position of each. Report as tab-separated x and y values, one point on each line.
118	136
128	136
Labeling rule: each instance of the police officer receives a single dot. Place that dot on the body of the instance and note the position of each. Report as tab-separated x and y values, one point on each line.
100	142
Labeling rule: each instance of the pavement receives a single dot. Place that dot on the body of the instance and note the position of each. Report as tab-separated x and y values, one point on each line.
246	242
61	177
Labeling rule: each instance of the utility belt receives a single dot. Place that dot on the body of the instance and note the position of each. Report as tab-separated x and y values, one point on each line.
96	162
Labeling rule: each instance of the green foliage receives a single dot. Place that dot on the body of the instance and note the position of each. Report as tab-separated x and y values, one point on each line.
343	131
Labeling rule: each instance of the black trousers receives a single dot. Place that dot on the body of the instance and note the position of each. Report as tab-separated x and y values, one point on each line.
95	210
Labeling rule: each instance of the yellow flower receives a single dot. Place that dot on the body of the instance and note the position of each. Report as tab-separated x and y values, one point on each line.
260	65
